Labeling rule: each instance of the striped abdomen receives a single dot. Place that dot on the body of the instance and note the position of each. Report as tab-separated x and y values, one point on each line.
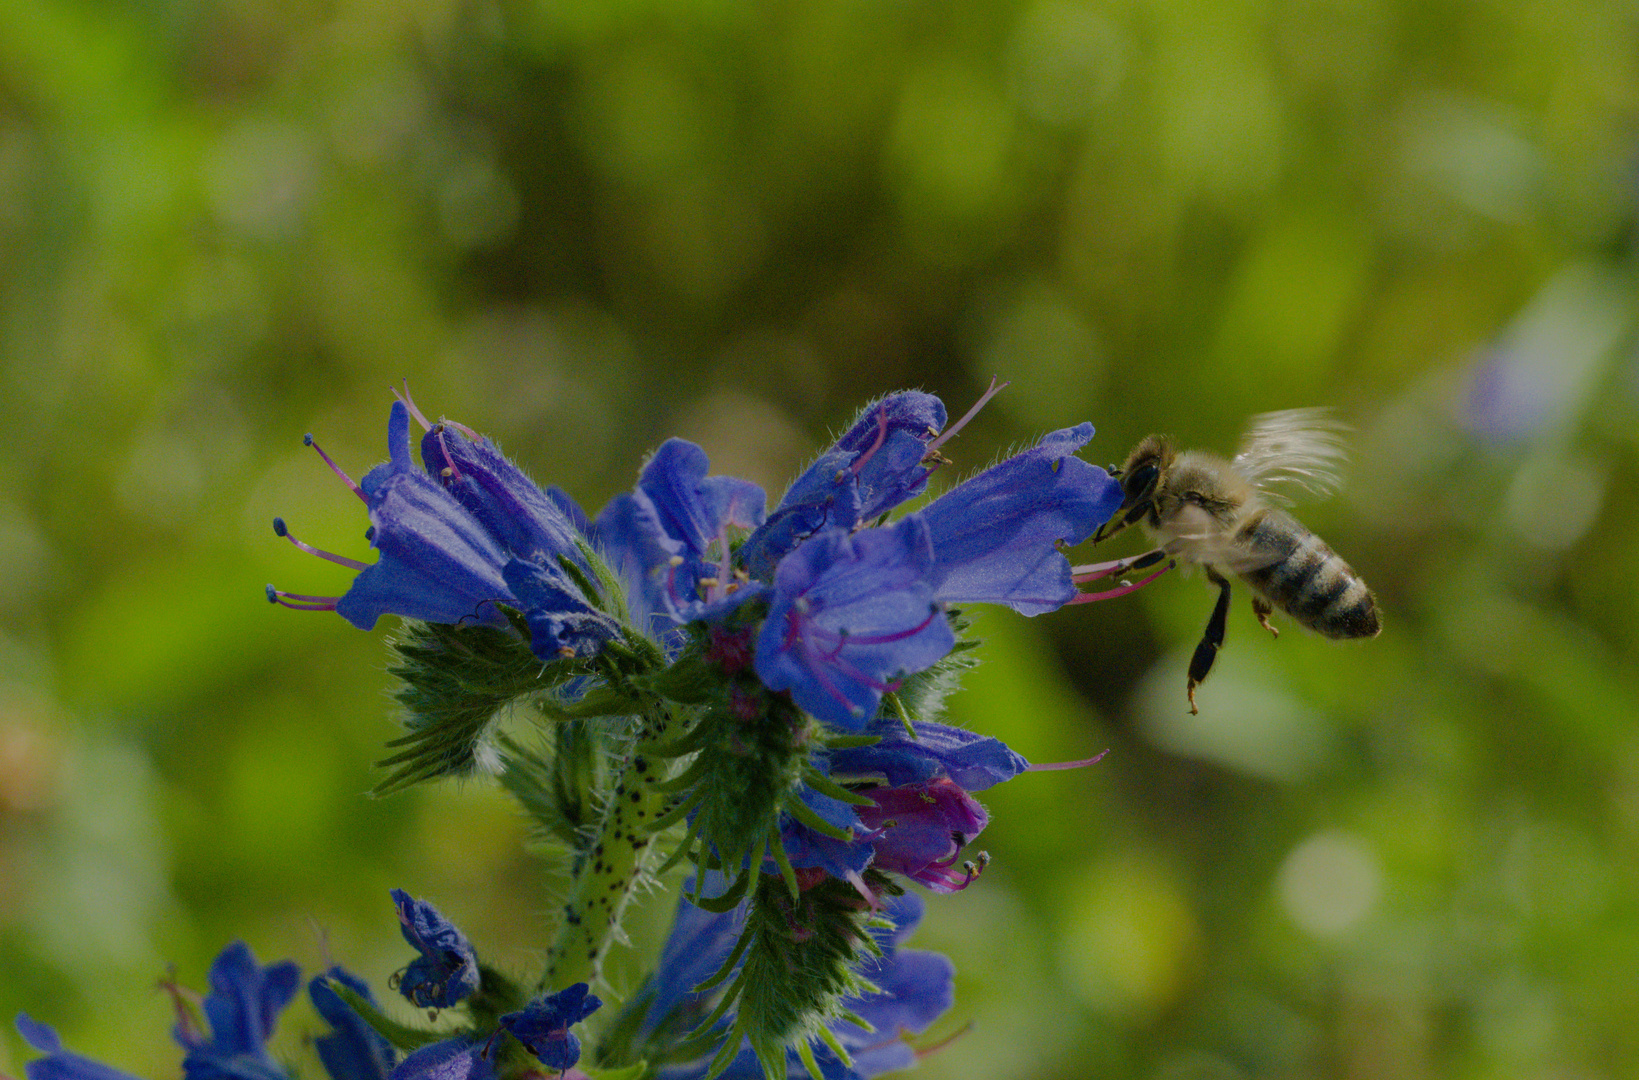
1305	578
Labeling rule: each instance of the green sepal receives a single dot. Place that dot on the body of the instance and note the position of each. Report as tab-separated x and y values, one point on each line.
598	701
849	742
830	1039
730	897
560	792
404	1038
691	679
496	996
690	776
671	817
455	680
788	873
892	700
805	1052
629	1072
806	814
827	786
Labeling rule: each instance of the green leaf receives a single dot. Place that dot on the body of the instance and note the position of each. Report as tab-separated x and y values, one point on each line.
404	1038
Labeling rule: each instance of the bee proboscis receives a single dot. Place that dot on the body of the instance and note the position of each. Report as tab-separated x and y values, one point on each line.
1226	517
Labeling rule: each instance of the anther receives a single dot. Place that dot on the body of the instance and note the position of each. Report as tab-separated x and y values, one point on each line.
449	472
301	603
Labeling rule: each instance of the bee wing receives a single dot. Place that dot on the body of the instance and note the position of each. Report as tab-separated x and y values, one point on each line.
1292	452
1211	544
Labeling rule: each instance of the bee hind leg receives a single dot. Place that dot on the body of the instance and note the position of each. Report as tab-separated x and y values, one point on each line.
1207	651
1262	609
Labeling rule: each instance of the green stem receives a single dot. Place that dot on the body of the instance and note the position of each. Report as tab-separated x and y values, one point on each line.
605	876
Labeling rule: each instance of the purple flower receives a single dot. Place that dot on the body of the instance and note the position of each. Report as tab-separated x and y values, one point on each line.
543	1025
876	465
919	830
996	537
447	969
923	813
60	1064
527	522
849	613
975	762
914	989
353	1050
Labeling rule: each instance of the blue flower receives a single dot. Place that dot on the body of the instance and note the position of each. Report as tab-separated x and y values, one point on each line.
543	1025
353	1050
437	562
876	465
849	613
241	1010
914	989
447	969
245	1001
460	1058
60	1064
457	539
973	761
996	537
671	538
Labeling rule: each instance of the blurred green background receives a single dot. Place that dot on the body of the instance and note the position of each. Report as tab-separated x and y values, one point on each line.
584	226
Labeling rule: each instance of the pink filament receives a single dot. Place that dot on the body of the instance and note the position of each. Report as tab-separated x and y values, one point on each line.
348	480
1094	571
881	436
298	602
339	560
969	415
409	403
1052	765
1111	594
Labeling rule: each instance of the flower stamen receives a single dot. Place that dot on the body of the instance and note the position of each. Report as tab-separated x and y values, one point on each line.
969	415
298	602
881	437
307	440
1111	594
279	529
409	404
1053	765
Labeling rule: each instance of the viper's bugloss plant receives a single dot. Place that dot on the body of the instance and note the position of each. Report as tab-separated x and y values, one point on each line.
693	681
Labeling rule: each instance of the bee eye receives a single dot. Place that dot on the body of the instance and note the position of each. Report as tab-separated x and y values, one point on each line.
1140	483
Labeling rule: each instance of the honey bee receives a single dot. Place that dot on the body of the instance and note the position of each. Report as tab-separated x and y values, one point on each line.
1225	516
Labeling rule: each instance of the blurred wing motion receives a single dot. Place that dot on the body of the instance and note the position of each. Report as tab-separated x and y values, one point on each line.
1295	451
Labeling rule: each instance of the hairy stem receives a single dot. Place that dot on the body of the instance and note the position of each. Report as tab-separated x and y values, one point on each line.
606	873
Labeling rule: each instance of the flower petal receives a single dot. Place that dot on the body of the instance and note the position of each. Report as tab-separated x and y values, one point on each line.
996	536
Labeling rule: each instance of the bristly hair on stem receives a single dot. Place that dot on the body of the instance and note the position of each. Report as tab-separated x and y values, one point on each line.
455	680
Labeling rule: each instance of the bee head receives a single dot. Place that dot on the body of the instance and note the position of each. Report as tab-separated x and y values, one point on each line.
1141	477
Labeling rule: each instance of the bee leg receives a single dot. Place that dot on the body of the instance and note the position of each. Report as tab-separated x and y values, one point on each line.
1207	651
1262	609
